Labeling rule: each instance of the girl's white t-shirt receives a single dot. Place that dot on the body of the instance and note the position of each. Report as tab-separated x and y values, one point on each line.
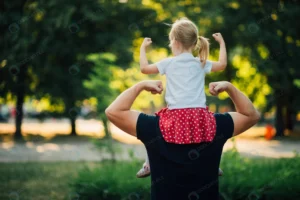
185	80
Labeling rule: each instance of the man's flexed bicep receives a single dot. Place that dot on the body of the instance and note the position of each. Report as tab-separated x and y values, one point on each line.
246	115
118	119
119	111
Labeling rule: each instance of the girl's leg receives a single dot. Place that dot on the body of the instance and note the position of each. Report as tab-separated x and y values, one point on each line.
220	172
147	161
145	170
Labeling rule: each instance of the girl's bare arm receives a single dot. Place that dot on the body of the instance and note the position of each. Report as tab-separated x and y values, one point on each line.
222	63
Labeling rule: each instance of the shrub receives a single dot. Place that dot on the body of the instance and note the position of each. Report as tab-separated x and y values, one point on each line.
112	181
244	178
259	178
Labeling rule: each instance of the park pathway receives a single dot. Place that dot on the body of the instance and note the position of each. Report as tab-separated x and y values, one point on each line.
70	149
66	148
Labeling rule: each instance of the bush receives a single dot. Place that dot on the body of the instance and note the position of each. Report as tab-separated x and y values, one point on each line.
112	181
259	178
244	178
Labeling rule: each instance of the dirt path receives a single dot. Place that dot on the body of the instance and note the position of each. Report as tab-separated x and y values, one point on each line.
75	150
66	148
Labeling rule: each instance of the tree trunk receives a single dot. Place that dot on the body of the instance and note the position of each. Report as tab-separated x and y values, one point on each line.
72	112
73	126
289	117
106	130
20	93
20	89
279	123
109	138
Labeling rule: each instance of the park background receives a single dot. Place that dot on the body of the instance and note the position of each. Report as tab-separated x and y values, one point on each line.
63	62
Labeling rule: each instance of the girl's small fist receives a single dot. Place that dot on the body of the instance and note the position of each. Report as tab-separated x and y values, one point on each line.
146	42
218	37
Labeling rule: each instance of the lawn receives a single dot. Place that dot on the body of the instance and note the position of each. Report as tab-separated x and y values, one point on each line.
244	178
39	181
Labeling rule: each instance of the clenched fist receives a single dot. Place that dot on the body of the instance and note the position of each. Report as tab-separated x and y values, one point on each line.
218	37
146	42
153	86
216	88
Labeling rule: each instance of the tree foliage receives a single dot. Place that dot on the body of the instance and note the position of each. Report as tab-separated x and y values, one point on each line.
70	53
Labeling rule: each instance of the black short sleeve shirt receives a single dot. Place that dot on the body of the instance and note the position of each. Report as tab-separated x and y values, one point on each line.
183	171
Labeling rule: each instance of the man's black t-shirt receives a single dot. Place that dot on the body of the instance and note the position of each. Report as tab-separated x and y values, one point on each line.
183	171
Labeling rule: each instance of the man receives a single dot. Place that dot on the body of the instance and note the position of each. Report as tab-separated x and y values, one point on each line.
182	171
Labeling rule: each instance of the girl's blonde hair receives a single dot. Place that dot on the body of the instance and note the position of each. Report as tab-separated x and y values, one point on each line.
186	32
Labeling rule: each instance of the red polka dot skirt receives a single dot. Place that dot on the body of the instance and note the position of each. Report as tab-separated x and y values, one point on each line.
187	125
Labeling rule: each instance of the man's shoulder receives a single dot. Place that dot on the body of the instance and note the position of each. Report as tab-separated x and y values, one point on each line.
225	125
147	127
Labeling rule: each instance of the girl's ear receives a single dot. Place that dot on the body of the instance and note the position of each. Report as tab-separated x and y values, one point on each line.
177	44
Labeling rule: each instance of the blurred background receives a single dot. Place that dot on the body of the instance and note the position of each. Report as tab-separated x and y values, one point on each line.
63	62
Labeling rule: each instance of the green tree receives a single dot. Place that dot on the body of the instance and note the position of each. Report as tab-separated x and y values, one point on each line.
54	44
81	28
98	86
270	31
16	63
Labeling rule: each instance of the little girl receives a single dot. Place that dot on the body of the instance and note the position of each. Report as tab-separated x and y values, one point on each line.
186	119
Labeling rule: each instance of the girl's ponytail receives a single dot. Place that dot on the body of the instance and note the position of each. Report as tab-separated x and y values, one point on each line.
203	47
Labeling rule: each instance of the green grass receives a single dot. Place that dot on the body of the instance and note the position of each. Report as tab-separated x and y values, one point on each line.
260	178
244	178
112	182
39	181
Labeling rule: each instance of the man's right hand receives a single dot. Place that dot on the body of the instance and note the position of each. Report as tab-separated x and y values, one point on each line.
215	88
153	86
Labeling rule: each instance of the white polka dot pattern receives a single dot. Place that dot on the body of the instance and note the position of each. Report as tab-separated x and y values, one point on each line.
187	125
